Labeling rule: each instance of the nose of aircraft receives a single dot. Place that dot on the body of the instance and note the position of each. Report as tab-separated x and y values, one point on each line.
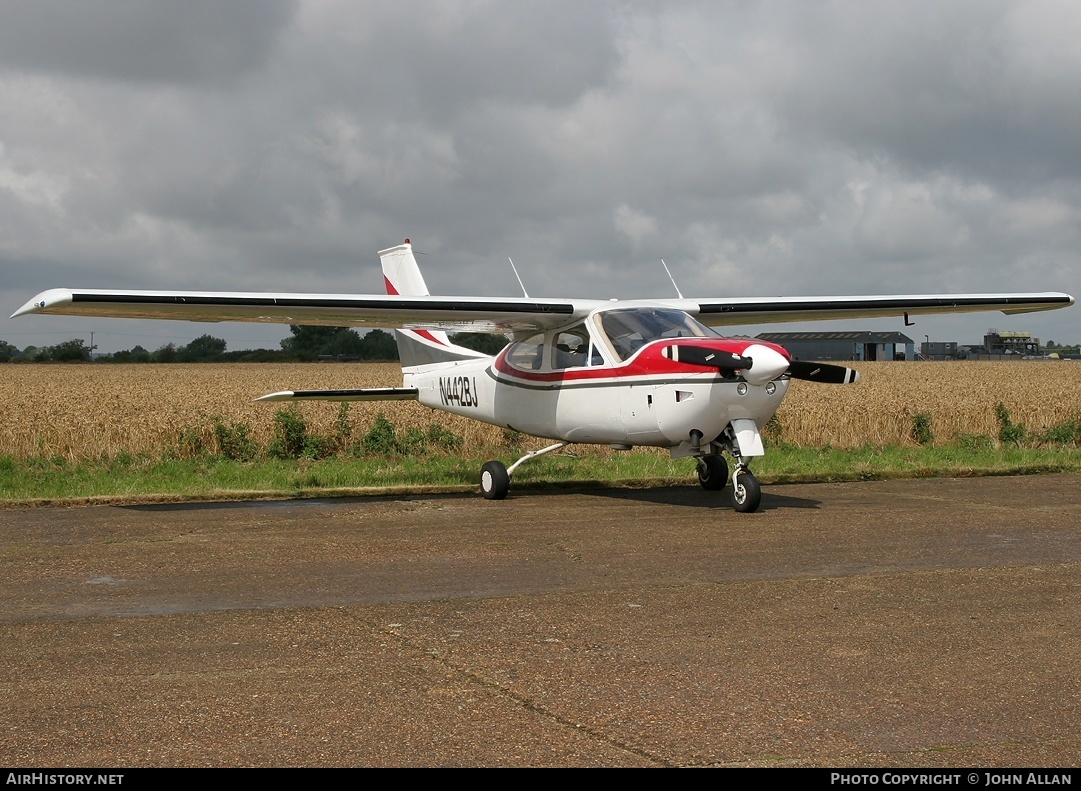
767	364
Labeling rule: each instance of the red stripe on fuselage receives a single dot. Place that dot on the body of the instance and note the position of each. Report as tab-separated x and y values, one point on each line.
647	361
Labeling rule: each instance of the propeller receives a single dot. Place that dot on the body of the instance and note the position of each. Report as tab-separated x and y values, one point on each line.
706	357
823	372
771	364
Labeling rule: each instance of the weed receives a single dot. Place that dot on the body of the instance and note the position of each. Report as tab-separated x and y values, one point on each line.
234	440
290	435
343	429
188	442
773	430
413	442
381	439
443	438
974	443
121	459
921	428
1008	433
1066	433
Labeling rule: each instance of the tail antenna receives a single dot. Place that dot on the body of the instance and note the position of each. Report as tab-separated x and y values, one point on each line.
515	270
678	294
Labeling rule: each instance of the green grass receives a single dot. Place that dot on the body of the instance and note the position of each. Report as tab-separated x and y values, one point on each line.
124	478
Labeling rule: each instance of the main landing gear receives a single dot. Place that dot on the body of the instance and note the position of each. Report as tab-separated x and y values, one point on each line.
495	477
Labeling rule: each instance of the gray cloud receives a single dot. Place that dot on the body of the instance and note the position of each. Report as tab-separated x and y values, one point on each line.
198	42
803	148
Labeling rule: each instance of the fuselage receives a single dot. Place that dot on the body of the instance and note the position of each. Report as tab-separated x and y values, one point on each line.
608	381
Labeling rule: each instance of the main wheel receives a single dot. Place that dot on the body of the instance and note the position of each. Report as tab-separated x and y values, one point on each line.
494	481
746	493
712	473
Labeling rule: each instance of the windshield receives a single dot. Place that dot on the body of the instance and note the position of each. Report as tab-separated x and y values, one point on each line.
629	330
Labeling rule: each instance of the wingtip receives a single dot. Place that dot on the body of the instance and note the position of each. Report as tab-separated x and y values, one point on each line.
281	395
43	301
29	307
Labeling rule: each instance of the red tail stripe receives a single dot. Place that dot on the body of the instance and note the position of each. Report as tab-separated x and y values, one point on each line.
392	291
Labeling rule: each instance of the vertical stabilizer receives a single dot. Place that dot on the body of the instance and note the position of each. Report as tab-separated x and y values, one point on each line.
402	276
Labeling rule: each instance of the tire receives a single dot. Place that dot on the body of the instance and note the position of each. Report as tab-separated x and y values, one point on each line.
494	481
747	493
712	473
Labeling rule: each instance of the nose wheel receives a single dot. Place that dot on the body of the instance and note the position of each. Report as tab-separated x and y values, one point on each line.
746	491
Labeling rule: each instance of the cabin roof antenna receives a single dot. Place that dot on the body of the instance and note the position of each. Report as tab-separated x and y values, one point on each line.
515	270
678	294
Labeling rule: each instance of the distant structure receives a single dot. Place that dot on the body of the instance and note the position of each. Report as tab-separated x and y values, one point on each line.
941	350
1004	345
864	346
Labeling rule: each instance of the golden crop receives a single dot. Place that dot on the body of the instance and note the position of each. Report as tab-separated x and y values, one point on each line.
89	411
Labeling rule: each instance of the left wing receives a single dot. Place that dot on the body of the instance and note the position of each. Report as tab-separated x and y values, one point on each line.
453	314
358	394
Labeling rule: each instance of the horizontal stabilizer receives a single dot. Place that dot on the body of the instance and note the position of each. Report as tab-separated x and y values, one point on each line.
359	394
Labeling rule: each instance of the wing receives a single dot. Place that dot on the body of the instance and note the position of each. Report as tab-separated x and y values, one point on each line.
771	310
360	394
509	314
452	314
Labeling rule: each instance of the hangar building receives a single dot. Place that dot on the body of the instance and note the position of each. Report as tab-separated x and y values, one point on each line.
844	345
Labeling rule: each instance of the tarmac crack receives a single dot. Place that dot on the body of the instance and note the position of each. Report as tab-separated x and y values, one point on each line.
524	701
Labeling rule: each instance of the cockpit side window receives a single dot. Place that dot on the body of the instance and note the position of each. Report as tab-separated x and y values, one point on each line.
570	348
527	354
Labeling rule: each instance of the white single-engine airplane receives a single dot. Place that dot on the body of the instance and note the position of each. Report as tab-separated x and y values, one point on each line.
620	373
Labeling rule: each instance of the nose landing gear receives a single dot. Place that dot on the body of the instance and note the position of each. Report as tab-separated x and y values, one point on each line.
746	491
713	470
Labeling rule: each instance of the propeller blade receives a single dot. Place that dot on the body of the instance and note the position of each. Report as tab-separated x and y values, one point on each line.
707	358
823	372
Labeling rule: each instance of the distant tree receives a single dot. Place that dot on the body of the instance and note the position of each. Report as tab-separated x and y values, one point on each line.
165	354
7	352
484	342
344	342
255	356
379	345
68	351
205	347
137	354
307	342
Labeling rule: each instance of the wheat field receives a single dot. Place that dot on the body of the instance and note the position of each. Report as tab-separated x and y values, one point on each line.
89	411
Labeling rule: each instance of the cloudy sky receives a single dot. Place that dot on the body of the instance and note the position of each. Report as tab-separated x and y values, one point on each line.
759	148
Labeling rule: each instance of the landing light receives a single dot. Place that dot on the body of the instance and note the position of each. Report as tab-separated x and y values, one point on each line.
771	388
741	388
